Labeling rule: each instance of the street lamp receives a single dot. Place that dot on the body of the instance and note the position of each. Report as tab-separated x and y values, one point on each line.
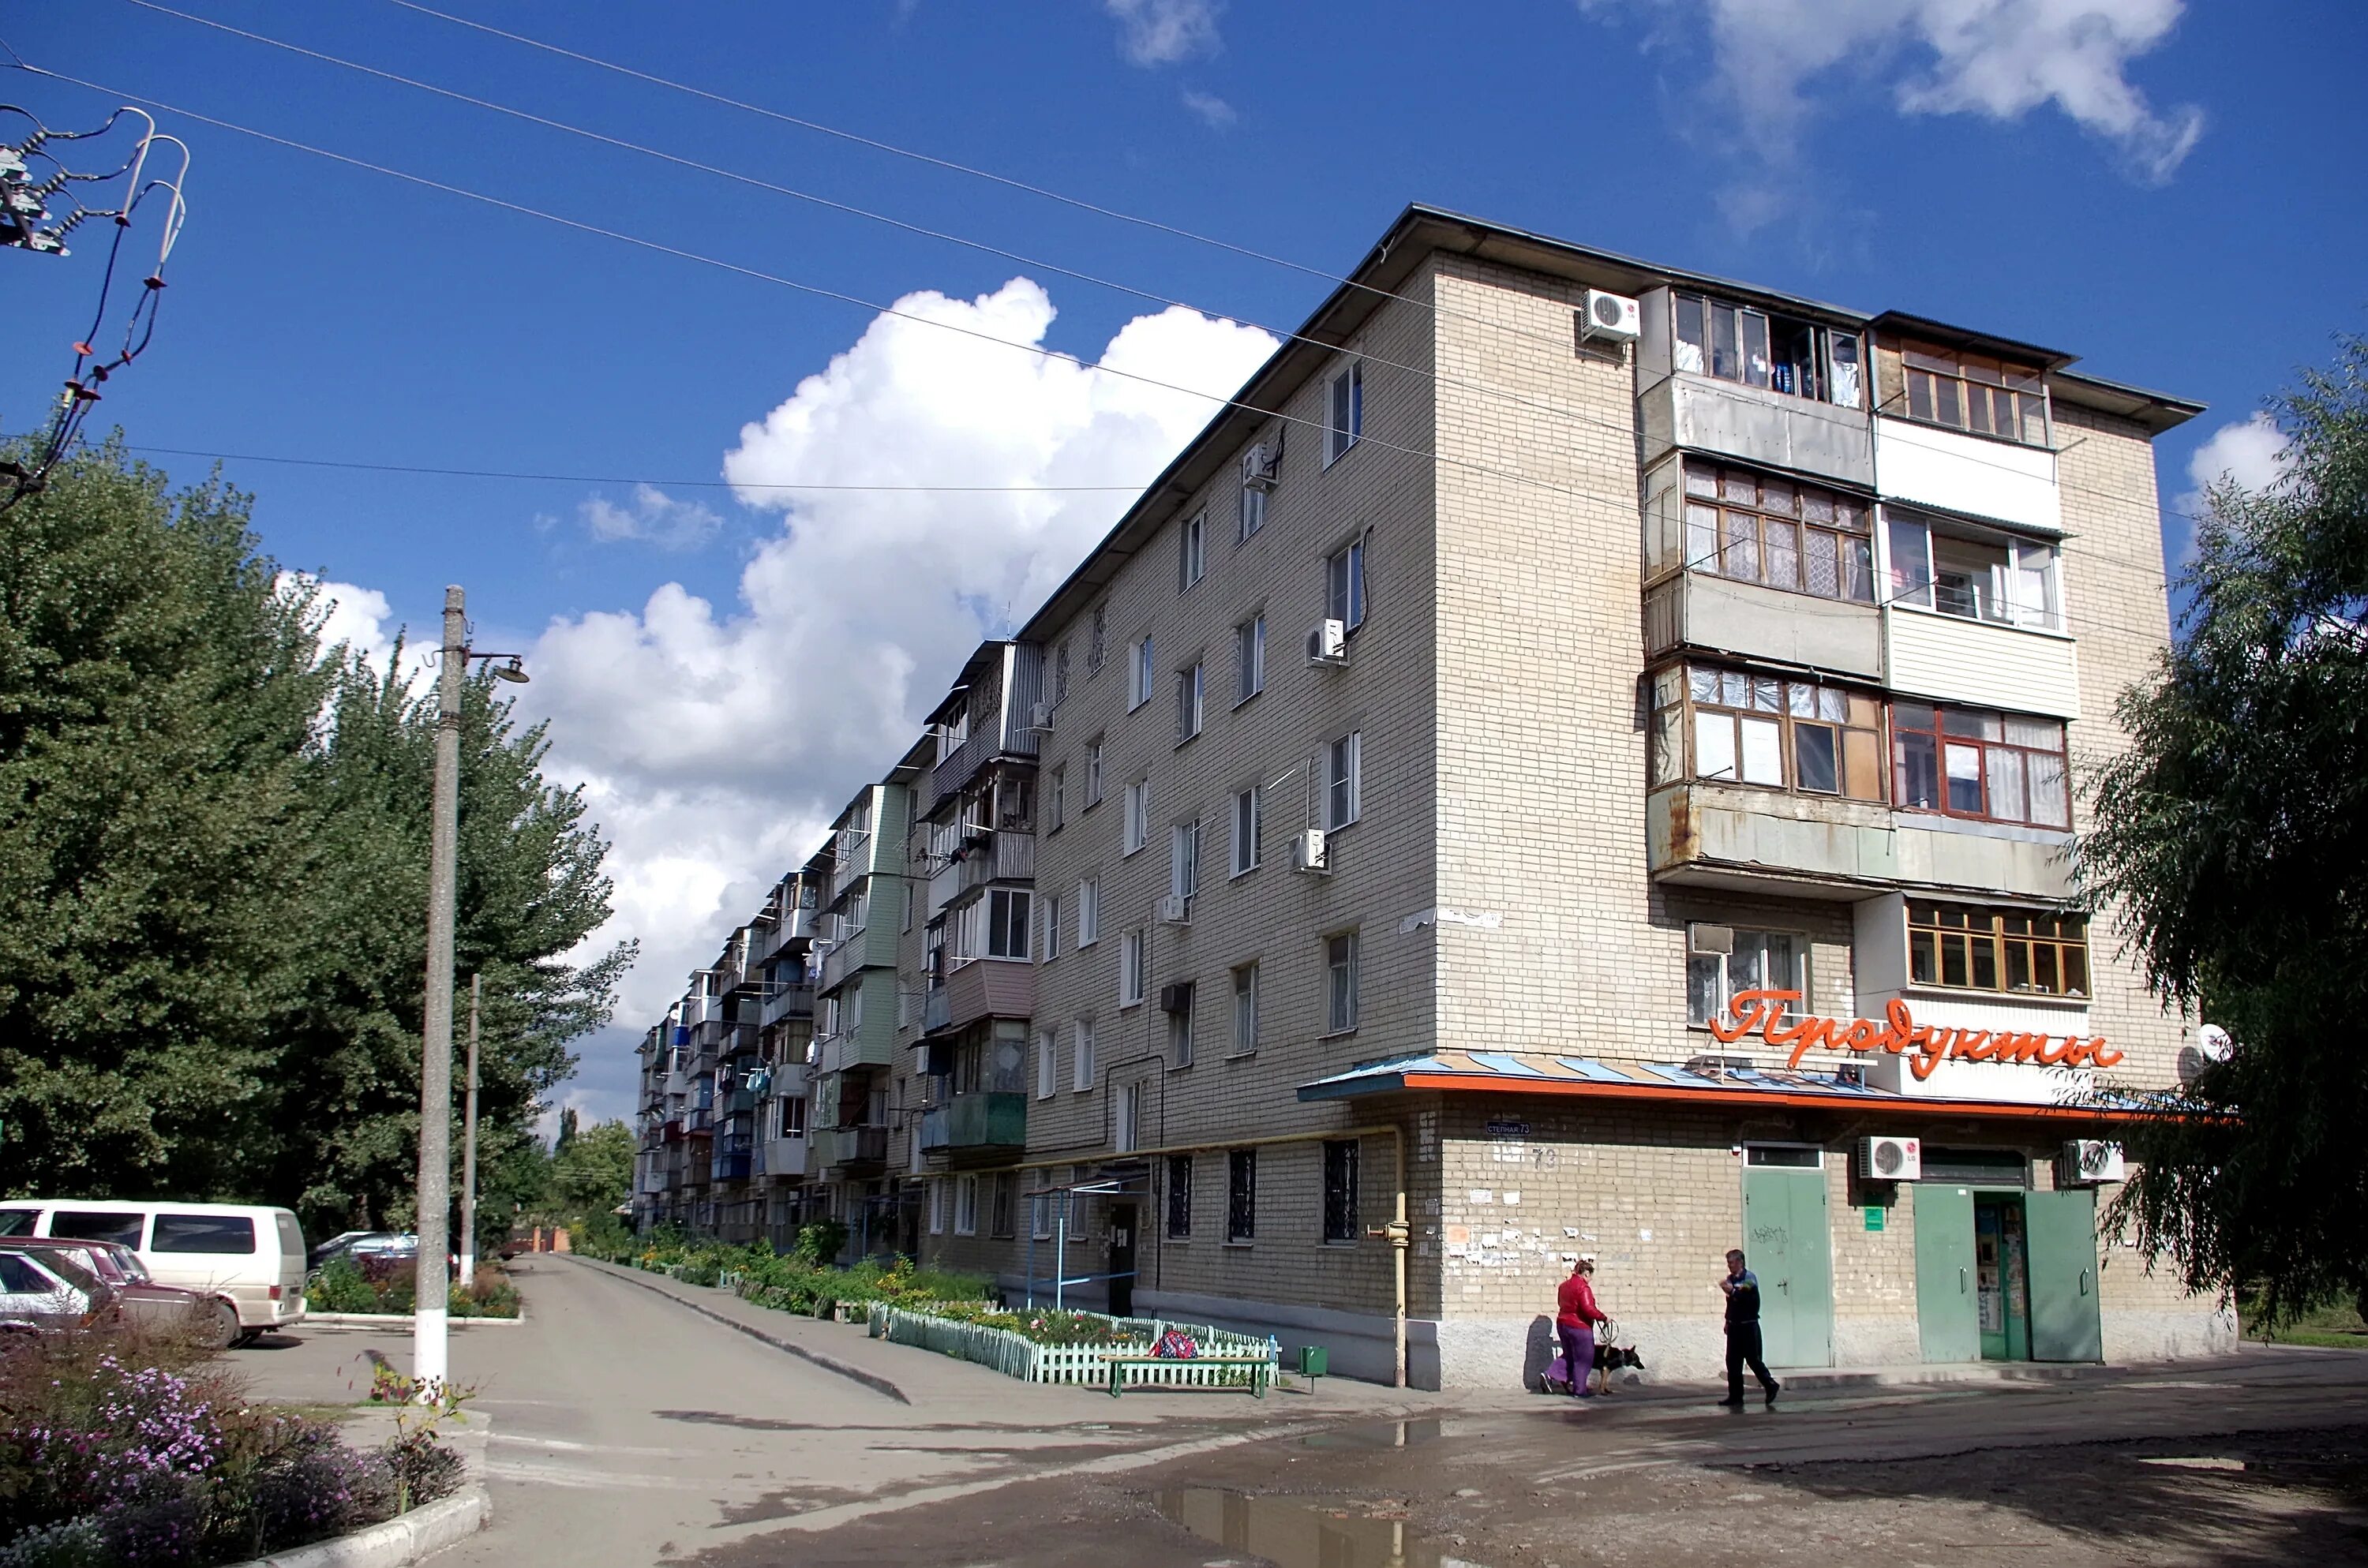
431	1286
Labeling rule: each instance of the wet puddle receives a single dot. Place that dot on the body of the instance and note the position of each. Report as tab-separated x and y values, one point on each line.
1306	1532
1376	1434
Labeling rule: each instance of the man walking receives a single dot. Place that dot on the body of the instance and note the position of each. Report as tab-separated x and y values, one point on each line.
1742	1290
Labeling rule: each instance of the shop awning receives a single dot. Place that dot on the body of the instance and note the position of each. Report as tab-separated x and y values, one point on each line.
1580	1078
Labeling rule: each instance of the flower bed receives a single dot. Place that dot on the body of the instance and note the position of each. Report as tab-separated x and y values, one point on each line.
380	1285
116	1451
1064	1347
799	1282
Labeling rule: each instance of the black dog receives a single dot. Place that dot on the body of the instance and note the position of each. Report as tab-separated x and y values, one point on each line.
1609	1358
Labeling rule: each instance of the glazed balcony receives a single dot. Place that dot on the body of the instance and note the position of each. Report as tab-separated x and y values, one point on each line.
976	1123
1775	840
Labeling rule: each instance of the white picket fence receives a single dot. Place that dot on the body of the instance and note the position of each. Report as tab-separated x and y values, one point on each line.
1016	1356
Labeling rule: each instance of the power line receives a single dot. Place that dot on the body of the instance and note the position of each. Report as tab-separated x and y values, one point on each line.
612	478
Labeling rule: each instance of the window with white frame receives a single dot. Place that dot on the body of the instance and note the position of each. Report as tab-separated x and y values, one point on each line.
1723	961
1177	1001
1126	1118
1048	1063
1253	511
1138	816
1098	639
1094	771
1184	859
1129	967
1340	982
1246	1008
967	1206
1081	1055
1089	911
1241	1195
1007	922
1188	703
1249	658
1249	812
1139	687
1061	674
1192	550
1343	781
939	1201
1344	584
1056	799
1973	572
1344	423
1052	926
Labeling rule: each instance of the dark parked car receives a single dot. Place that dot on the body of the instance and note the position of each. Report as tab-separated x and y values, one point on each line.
43	1291
164	1309
362	1245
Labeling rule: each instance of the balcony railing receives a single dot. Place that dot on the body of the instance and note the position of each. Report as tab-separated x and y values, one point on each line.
837	1147
935	1010
976	1121
788	1002
1008	855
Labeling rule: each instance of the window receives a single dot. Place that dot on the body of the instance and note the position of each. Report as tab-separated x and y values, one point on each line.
1140	678
1343	782
1340	1191
1048	1065
1796	537
793	1118
1249	659
1972	391
1188	703
1248	814
1126	1118
1184	859
1995	576
1081	1055
1129	968
939	1201
1241	1195
1138	816
1754	729
1098	639
1344	423
1340	982
1192	550
1180	1196
94	1225
1722	960
1056	799
1253	511
967	1206
908	904
1344	585
1094	771
1060	675
1007	1196
1089	911
1052	926
227	1234
1736	343
1177	1001
1964	948
1245	1008
1965	763
1040	1213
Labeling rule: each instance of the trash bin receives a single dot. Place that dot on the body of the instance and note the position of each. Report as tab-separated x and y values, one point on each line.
1315	1362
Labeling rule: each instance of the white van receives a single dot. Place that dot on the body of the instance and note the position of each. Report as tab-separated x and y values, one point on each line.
249	1259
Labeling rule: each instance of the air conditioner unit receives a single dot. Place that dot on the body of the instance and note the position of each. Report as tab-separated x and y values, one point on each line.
1613	318
1328	644
1175	909
1261	466
1177	999
2088	1160
1308	851
1890	1159
1040	718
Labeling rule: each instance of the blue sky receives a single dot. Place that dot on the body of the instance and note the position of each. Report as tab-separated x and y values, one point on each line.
2157	188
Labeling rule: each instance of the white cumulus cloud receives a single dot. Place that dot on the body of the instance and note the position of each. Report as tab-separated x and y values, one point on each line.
715	741
359	617
1161	32
1997	58
654	517
2250	453
1213	110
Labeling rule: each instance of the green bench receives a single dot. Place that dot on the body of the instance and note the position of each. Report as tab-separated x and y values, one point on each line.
1190	1372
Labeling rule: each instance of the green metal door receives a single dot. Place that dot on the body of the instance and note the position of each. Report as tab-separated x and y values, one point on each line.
1786	1244
1946	1318
2064	1322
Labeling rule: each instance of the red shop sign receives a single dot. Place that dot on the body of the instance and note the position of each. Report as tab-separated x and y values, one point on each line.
1926	1046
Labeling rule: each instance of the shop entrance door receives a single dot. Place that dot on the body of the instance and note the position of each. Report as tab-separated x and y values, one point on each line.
1948	1312
1122	1260
1784	1242
2064	1322
2002	1276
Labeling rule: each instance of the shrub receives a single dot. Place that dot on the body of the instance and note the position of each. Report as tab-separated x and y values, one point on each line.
340	1288
819	1243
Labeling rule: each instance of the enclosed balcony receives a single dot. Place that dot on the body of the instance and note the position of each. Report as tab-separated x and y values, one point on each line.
1741	839
787	1002
982	988
1759	425
976	1123
848	1148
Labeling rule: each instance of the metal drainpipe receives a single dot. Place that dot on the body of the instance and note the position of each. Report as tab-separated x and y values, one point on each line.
1396	1231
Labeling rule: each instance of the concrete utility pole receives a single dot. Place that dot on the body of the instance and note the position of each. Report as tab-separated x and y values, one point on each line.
469	1147
431	1288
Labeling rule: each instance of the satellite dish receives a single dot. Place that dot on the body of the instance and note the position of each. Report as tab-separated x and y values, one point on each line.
2214	1043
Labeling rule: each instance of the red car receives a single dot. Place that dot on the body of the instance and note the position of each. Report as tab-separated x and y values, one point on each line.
43	1291
144	1303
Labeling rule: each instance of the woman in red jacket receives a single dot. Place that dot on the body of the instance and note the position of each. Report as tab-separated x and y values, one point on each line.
1575	1322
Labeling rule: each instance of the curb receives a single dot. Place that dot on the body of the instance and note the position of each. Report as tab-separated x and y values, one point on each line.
871	1381
400	1541
402	1320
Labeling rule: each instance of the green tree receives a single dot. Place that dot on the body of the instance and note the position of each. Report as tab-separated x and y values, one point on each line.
2233	845
593	1172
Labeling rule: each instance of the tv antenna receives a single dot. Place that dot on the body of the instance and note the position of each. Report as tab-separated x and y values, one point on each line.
43	200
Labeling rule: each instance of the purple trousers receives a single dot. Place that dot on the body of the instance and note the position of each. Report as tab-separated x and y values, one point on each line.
1578	1351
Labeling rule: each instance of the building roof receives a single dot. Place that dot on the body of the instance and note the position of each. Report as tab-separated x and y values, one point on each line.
1579	1077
